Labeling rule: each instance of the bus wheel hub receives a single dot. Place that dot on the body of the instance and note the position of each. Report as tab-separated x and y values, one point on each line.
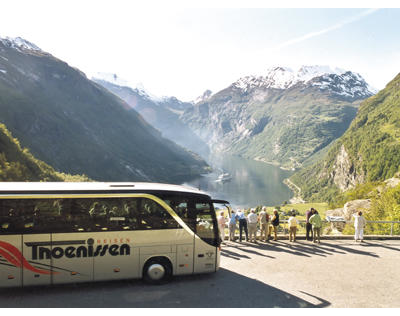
156	271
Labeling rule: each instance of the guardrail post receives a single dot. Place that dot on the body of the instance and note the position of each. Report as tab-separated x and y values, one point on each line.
391	229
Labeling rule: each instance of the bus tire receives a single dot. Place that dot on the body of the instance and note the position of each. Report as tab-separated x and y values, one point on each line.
157	270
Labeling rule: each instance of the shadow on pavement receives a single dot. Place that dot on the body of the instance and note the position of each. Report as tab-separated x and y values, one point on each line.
222	289
304	249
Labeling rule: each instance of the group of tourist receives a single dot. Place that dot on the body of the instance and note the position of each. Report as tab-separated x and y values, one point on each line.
269	224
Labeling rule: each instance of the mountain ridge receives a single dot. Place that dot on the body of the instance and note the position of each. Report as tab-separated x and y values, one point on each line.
322	76
283	125
77	126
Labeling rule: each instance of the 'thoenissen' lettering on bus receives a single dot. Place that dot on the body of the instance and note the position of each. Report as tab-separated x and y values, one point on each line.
43	252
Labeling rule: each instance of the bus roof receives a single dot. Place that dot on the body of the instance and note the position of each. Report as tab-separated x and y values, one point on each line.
48	187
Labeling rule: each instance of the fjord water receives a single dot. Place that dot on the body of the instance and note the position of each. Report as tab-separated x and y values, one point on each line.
252	182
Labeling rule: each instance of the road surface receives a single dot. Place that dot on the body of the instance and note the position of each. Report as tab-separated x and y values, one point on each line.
336	273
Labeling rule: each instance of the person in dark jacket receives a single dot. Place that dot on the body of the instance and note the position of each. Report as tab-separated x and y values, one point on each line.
309	231
242	224
275	224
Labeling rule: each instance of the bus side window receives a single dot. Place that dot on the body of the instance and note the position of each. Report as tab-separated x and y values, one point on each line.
78	219
154	216
131	207
114	215
26	216
12	221
37	218
58	215
3	217
99	212
43	215
184	208
27	209
19	216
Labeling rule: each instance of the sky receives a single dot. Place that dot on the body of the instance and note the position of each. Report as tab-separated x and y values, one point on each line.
176	49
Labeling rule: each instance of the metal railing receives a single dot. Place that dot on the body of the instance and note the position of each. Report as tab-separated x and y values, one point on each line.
301	221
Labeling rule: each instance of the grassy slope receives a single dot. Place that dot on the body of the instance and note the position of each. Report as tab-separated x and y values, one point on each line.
18	164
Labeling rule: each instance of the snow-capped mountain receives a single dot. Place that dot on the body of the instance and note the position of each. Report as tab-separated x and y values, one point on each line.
19	43
118	81
205	96
112	78
283	117
171	103
348	84
342	82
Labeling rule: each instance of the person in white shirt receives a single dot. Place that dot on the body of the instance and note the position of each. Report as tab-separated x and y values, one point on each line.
221	225
264	218
359	225
292	222
252	220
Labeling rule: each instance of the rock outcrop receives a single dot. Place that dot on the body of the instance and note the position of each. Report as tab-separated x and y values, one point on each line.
347	212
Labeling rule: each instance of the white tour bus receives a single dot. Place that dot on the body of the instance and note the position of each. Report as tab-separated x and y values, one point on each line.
53	233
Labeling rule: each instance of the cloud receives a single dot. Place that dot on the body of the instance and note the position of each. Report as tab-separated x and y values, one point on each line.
325	30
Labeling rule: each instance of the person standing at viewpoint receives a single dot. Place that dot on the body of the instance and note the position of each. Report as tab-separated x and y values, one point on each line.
309	213
316	222
242	224
264	218
275	224
221	225
359	225
252	220
232	226
292	222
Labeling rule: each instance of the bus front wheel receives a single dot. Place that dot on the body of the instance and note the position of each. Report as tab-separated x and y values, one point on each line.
157	271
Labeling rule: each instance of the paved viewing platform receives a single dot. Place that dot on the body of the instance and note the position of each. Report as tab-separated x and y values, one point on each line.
335	273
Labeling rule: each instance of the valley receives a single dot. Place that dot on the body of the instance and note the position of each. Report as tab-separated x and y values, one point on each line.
311	134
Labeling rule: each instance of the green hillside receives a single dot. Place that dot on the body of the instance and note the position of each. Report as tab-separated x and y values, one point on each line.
18	164
78	127
369	150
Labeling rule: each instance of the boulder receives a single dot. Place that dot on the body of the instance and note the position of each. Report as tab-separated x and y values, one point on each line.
347	213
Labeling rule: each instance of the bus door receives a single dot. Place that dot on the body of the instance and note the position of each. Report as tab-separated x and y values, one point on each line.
185	239
10	259
205	251
184	258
